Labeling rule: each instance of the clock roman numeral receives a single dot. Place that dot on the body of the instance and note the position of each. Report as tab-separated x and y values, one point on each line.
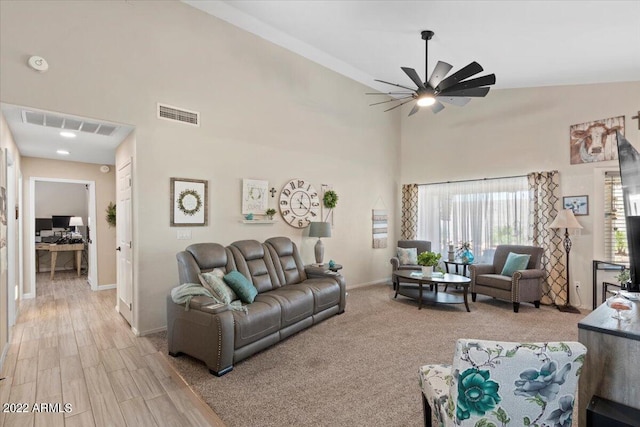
300	183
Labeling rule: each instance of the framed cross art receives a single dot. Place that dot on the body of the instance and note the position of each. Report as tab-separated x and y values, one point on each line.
189	204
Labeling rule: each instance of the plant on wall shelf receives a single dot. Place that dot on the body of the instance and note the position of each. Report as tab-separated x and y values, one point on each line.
111	214
270	213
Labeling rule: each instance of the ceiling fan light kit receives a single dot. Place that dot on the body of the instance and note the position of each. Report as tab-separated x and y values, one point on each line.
457	89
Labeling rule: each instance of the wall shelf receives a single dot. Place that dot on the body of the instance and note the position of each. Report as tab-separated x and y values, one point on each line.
258	221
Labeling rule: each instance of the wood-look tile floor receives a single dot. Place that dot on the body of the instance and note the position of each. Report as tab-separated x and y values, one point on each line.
69	346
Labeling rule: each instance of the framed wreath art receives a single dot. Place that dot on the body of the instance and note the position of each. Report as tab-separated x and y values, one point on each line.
189	204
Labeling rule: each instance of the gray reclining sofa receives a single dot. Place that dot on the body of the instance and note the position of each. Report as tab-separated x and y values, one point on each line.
289	299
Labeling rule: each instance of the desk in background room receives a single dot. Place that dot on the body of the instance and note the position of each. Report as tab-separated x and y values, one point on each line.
54	249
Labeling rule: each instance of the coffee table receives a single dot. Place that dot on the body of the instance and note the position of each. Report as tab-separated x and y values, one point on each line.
415	289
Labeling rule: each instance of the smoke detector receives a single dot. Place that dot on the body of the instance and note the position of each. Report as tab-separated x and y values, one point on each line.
38	63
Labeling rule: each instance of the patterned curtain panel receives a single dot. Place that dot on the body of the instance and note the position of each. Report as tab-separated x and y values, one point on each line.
409	211
543	191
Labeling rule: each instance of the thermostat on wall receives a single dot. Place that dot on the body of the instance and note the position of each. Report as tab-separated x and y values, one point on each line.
38	63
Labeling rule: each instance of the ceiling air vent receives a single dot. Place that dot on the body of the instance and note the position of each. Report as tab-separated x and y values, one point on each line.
65	122
175	114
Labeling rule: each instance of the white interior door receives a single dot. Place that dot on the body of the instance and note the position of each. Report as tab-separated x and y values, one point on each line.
125	243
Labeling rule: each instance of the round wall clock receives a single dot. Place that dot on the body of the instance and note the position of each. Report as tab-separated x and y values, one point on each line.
299	203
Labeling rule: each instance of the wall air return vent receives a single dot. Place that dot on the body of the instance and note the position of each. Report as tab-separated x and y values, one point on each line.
175	114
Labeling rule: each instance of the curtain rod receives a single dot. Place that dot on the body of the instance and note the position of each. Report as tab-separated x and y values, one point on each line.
481	179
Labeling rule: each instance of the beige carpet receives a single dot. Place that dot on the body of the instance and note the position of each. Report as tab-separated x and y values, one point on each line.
361	368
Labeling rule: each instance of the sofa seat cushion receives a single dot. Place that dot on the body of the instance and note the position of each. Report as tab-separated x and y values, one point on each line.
326	293
296	303
495	281
262	318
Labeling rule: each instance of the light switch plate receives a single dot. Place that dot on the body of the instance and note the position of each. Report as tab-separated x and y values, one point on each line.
184	234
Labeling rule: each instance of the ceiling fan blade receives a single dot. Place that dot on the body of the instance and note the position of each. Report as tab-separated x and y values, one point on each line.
399	105
437	107
390	100
475	92
413	75
389	93
466	72
468	84
439	73
414	110
459	101
394	84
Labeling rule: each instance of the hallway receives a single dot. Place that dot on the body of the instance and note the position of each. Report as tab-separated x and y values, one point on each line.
70	346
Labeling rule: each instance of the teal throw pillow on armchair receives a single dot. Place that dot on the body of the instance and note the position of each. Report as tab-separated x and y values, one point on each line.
514	263
241	286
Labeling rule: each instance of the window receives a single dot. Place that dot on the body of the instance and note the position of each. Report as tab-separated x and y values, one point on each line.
615	228
486	212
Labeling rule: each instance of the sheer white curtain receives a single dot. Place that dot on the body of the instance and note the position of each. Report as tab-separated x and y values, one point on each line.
485	212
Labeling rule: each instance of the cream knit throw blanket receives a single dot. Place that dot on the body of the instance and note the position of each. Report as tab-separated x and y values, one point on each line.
182	295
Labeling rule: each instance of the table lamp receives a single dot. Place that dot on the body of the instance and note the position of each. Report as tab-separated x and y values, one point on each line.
76	221
566	220
319	230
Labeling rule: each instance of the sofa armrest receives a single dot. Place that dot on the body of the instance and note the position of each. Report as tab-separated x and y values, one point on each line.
319	272
395	263
529	274
478	269
207	305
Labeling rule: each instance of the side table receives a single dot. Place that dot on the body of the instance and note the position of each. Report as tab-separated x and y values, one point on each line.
457	264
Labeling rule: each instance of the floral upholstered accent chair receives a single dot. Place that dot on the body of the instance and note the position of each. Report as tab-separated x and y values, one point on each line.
504	384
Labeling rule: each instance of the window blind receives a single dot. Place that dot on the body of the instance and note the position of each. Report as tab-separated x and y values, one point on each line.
615	229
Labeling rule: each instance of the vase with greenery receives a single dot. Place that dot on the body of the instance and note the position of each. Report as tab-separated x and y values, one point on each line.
623	278
428	260
270	213
464	253
111	214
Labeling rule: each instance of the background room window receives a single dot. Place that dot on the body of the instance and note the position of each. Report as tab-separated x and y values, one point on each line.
615	228
486	212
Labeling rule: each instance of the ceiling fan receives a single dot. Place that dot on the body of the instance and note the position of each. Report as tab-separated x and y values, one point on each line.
455	89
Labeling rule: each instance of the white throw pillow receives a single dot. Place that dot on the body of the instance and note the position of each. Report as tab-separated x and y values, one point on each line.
407	256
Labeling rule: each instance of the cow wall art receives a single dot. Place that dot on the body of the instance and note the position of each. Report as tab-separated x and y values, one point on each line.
595	141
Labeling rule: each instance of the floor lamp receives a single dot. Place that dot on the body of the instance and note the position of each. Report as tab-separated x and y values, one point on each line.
566	219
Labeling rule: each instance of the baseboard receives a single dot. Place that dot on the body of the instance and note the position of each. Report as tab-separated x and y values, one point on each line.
374	282
106	287
150	331
30	295
5	350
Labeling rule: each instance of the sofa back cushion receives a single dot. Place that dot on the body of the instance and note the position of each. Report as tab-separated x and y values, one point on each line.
253	260
202	258
286	259
502	252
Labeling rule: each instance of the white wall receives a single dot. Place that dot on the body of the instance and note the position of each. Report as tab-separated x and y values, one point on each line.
61	198
266	114
517	131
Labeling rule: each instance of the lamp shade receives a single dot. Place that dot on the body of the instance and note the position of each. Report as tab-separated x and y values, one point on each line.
565	219
320	229
75	221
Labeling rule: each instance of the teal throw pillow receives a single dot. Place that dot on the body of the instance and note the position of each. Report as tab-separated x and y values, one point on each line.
514	263
220	291
407	256
241	286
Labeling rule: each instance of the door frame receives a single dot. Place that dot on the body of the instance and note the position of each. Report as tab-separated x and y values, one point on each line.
12	250
92	276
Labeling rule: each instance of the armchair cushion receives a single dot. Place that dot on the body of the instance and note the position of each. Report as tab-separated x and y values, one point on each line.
491	382
514	263
407	256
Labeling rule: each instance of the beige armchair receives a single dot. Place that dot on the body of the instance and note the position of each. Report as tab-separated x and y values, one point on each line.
420	245
523	286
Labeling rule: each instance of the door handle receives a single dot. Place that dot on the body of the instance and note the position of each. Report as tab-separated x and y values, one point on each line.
118	248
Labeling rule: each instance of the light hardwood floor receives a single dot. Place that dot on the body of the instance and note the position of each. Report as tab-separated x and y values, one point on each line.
70	346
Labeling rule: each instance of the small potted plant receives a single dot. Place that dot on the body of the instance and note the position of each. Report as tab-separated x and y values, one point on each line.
428	260
464	253
623	278
270	213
